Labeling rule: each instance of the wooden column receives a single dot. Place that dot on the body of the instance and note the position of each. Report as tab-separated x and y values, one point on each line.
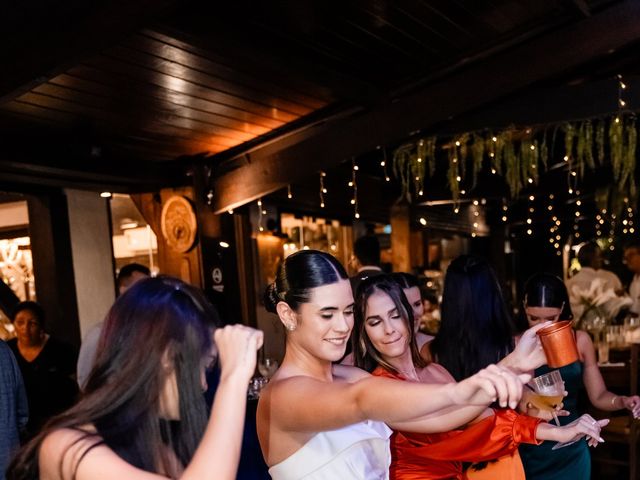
186	266
52	264
401	238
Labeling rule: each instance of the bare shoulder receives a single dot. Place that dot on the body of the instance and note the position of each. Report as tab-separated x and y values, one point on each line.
349	374
422	339
583	339
425	352
62	449
80	454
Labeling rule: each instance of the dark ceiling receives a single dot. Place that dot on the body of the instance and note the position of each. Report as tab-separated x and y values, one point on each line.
128	95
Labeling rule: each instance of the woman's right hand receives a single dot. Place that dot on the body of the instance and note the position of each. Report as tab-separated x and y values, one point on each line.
237	350
528	354
490	384
586	425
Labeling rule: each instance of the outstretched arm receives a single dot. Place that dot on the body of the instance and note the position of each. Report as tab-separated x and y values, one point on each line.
303	404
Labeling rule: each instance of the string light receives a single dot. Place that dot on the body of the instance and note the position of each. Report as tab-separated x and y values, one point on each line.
530	210
423	221
505	210
384	163
554	237
289	194
322	189
576	216
354	200
621	88
261	212
476	214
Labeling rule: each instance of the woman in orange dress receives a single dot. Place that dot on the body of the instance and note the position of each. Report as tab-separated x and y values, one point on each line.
384	342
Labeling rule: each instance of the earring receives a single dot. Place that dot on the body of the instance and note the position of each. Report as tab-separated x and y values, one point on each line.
290	327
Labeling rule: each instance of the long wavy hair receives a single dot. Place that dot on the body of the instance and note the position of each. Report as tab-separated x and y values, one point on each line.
156	319
365	354
476	329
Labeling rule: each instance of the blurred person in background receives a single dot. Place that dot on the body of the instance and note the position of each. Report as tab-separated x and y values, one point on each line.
47	365
127	276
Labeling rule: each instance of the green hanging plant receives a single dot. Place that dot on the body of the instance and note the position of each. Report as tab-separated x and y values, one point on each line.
401	165
616	142
453	174
629	156
477	151
412	163
600	133
544	150
589	145
580	148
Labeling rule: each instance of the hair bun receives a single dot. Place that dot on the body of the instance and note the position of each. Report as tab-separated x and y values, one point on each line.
271	298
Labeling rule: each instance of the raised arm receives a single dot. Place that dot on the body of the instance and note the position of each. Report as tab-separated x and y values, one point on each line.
597	391
219	452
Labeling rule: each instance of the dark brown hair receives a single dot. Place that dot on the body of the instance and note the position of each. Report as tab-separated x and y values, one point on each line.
154	317
364	353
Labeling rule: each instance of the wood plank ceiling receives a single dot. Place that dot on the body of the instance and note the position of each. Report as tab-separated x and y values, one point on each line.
212	78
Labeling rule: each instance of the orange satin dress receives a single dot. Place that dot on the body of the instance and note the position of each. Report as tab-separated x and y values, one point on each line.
439	456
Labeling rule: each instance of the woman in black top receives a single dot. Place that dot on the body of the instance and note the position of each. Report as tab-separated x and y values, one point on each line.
47	366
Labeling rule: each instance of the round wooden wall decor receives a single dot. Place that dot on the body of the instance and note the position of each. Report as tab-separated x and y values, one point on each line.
178	223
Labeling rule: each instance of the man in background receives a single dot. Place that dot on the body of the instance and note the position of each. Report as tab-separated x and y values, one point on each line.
127	276
591	261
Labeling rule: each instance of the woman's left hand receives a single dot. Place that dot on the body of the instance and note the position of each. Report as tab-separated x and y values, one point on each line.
632	404
587	426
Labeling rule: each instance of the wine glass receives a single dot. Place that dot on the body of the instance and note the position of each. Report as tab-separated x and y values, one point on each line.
267	367
549	391
548	394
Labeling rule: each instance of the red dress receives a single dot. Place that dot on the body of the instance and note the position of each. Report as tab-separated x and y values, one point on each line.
439	456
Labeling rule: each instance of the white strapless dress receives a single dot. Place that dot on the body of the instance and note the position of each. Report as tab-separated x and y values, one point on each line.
357	452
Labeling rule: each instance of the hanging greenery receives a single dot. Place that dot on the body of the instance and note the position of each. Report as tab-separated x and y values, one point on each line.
519	155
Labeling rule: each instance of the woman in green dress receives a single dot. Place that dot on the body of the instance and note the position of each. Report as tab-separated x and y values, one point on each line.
546	299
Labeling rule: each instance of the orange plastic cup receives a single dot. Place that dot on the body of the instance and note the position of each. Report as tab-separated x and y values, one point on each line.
559	344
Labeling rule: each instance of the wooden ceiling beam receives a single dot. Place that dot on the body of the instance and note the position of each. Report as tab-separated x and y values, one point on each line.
272	167
549	105
43	39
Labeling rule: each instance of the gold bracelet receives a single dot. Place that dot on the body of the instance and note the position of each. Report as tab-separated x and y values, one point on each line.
613	401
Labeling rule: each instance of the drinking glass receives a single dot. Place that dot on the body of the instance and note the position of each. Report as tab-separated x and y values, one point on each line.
549	392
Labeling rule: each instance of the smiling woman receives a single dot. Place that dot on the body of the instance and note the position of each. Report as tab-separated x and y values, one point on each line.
317	423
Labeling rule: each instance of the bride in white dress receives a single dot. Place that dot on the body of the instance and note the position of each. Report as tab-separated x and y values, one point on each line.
319	423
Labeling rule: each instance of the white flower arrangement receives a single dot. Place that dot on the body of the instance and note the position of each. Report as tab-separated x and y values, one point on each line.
597	301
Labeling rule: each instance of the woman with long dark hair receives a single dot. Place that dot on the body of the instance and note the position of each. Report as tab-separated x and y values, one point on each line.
318	425
474	318
384	341
546	299
142	414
